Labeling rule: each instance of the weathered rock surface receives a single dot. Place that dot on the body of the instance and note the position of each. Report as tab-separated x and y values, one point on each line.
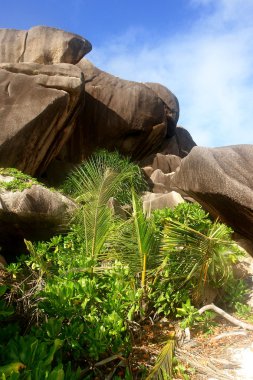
43	45
221	180
167	163
123	115
153	201
34	213
158	169
38	109
172	105
180	144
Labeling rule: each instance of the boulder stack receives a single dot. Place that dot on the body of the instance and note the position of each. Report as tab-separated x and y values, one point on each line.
56	108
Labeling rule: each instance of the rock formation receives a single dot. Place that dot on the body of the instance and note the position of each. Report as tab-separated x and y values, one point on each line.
179	145
33	213
154	201
42	45
132	117
158	169
57	108
221	180
38	108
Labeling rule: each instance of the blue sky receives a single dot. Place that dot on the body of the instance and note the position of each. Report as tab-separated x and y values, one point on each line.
202	50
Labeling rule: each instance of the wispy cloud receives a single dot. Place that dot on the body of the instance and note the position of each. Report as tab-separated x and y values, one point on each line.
209	68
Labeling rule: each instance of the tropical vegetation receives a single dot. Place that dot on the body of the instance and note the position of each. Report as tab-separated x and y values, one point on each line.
72	307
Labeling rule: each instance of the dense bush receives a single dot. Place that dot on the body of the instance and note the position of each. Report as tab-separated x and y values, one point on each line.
75	299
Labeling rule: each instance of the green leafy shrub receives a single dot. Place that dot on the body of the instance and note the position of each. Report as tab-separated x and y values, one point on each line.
191	317
188	214
167	295
235	291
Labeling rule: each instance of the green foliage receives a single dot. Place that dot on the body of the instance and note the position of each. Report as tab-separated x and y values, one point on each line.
136	244
31	358
5	310
235	291
180	371
189	314
244	311
97	306
88	286
199	252
147	241
20	181
167	295
191	317
115	173
92	184
189	214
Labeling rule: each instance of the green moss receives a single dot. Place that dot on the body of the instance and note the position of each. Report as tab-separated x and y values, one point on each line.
20	180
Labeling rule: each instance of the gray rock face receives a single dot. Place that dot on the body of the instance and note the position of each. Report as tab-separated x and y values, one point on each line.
12	44
221	180
36	204
153	201
166	163
38	108
158	169
171	102
34	214
180	144
42	45
120	114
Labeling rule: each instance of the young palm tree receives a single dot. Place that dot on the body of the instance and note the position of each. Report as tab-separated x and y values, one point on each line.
137	243
202	257
92	184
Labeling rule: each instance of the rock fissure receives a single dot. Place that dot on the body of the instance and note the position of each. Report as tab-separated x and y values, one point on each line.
20	59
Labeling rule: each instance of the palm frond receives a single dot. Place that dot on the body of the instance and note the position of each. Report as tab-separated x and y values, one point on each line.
86	177
136	242
203	256
92	184
146	237
164	364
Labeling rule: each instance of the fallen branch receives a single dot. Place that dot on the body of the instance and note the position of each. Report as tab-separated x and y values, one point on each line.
233	320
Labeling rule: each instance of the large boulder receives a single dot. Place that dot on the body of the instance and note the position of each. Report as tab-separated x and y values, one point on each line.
131	117
153	201
221	180
37	211
38	109
43	45
29	210
158	169
158	161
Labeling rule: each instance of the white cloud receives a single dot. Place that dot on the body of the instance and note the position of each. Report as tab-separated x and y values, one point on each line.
209	68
